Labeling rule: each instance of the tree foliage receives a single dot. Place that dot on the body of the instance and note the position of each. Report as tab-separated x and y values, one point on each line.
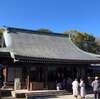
83	40
1	31
44	30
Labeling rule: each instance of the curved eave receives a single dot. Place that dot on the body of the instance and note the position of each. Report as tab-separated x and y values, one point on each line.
4	52
84	52
53	60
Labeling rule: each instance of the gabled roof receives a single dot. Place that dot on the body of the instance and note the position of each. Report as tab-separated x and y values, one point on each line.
31	45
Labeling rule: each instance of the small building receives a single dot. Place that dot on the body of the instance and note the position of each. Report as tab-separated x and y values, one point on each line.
39	59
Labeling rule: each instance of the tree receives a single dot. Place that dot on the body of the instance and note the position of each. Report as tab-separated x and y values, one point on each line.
83	40
1	31
44	30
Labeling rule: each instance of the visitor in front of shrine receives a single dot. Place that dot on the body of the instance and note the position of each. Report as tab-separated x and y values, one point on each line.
58	82
96	88
88	85
64	84
58	86
82	89
75	88
69	83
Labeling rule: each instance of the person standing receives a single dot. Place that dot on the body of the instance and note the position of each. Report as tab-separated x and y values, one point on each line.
96	85
82	89
69	83
88	85
75	88
58	82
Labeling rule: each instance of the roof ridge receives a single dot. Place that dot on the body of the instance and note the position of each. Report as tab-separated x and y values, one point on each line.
14	29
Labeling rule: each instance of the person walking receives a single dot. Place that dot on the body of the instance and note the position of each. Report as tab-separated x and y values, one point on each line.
82	89
75	88
96	85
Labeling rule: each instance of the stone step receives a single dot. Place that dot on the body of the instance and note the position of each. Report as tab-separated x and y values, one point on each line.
26	93
6	92
46	93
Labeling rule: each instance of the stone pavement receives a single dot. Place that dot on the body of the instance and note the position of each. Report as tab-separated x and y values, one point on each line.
89	96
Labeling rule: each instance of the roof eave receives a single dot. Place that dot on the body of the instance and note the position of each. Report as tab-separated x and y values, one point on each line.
53	60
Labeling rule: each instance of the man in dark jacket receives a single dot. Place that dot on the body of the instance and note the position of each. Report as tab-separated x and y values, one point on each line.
96	85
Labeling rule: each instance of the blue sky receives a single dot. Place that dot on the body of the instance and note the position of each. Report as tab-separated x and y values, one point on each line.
56	15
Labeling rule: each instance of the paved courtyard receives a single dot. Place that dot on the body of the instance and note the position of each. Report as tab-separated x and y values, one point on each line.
90	96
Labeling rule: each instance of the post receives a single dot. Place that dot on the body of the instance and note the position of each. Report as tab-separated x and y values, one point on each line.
5	72
28	80
46	77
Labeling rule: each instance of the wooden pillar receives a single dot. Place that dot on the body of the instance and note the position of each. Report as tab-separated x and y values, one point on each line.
5	73
28	80
46	77
78	71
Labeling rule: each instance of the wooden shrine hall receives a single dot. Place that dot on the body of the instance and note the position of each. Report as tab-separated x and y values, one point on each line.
38	59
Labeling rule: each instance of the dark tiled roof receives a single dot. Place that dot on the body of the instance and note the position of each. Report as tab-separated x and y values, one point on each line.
28	43
35	44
